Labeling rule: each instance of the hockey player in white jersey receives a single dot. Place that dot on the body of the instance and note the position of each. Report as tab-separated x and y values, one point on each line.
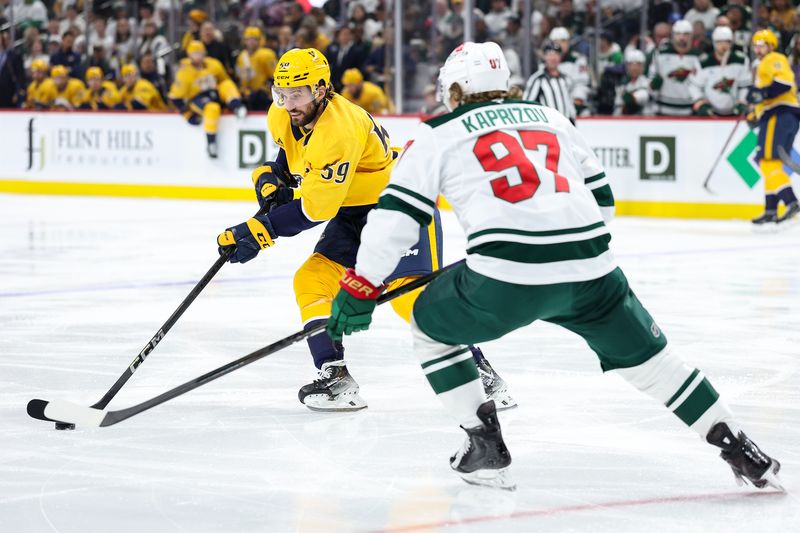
720	87
633	95
575	68
670	68
534	202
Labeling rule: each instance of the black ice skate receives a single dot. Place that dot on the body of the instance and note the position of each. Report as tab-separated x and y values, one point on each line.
494	386
334	390
769	217
745	459
483	458
212	149
792	210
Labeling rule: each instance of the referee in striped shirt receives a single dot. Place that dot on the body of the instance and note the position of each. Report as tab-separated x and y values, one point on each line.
550	87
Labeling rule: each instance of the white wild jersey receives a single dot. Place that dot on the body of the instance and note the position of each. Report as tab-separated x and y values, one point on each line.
673	70
529	192
722	85
639	89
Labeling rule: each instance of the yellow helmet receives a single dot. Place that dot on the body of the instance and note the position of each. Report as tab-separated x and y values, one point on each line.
39	64
195	47
94	72
252	32
352	75
302	66
59	70
130	68
766	37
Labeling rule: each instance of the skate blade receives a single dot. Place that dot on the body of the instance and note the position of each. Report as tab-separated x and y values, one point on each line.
494	479
771	478
502	400
322	403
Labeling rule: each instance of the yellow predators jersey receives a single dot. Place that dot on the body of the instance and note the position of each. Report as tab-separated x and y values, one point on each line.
143	95
106	98
35	93
344	161
775	67
191	81
372	98
253	70
70	97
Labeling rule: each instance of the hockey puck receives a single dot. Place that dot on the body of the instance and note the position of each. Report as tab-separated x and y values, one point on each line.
64	425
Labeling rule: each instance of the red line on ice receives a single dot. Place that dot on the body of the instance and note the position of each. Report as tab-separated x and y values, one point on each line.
578	508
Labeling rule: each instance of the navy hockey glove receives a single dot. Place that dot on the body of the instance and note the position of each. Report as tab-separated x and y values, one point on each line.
756	96
272	183
249	238
353	307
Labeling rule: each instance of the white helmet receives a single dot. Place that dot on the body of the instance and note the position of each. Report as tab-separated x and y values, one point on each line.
559	33
682	26
632	55
476	68
722	33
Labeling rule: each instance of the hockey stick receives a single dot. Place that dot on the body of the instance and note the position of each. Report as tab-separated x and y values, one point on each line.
67	412
721	153
162	332
787	160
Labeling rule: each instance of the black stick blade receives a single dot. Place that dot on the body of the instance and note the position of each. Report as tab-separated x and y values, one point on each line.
36	410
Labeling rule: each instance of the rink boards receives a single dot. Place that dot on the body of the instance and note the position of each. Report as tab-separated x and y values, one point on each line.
657	167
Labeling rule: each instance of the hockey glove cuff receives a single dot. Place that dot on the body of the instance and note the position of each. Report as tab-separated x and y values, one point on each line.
249	238
656	82
353	306
272	183
755	96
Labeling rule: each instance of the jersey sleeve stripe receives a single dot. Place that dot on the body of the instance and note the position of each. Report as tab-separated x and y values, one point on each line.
413	194
393	203
594	178
544	253
411	200
603	196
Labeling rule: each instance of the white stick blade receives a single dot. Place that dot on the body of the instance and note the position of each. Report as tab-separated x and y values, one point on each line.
74	414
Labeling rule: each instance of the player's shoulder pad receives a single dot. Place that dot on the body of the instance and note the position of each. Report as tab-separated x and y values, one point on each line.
737	56
185	62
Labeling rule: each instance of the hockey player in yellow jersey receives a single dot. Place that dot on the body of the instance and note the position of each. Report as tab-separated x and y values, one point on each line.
364	93
774	98
39	75
138	93
100	93
343	158
201	86
61	91
255	66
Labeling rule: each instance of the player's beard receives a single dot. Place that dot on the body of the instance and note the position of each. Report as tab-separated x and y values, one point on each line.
307	115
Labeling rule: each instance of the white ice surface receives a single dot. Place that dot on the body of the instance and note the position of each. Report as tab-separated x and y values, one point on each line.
85	282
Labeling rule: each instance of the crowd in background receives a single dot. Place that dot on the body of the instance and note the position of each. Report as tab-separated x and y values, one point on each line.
611	72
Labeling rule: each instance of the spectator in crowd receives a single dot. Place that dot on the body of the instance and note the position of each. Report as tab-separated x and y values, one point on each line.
497	18
781	16
431	106
34	53
720	87
255	66
150	42
148	70
194	19
738	18
72	19
365	94
29	13
285	40
609	53
214	46
66	55
99	34
699	40
293	16
359	16
670	68
137	93
575	68
38	70
147	13
661	33
124	47
794	56
53	46
100	93
308	36
99	58
512	36
65	92
344	54
550	85
633	95
325	24
12	73
703	11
